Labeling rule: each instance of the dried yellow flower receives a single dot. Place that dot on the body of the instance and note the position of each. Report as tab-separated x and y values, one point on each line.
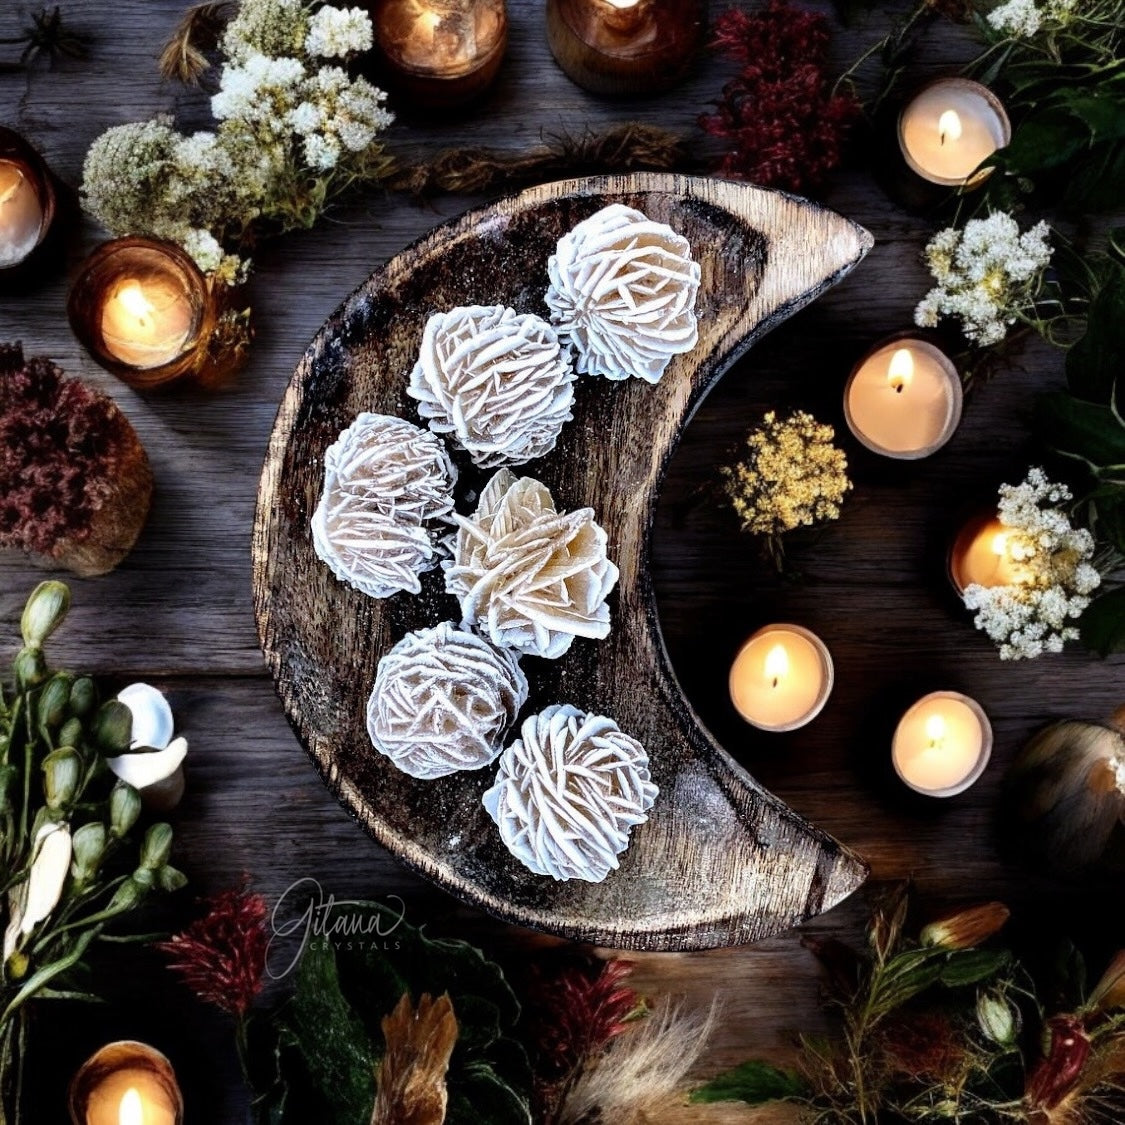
794	476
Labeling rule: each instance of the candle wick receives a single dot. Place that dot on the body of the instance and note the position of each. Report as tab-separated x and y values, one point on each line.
899	387
775	679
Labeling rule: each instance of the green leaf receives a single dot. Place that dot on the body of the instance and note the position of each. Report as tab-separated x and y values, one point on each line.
1081	429
482	1095
971	966
1096	360
334	1045
1103	624
753	1082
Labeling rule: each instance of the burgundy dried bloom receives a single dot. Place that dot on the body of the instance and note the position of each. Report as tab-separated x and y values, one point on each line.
786	127
922	1045
1054	1076
222	956
61	448
577	1012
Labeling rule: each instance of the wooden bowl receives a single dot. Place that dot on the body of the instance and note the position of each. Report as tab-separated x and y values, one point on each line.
720	861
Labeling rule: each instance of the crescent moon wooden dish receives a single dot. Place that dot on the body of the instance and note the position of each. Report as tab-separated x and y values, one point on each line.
720	861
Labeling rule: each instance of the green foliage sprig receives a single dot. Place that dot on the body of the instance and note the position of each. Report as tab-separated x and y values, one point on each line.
943	1027
70	866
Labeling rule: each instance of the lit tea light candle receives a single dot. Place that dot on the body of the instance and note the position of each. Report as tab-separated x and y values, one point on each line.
142	308
26	199
903	399
981	554
949	129
942	744
625	46
781	678
126	1083
441	53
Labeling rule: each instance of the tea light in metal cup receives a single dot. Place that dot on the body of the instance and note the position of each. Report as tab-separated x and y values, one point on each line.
143	310
625	47
781	678
942	744
981	554
126	1083
949	129
27	199
441	53
903	399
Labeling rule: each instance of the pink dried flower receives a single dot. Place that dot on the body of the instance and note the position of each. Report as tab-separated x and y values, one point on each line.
222	956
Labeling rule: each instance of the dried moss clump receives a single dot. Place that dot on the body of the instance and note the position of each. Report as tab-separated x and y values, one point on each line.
74	479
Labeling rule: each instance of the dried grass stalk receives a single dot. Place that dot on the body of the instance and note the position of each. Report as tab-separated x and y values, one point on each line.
631	147
184	58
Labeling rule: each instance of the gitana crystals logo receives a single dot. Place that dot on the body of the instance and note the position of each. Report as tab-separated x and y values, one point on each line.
305	914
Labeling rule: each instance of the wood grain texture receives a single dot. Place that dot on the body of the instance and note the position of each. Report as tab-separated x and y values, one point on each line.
179	610
719	861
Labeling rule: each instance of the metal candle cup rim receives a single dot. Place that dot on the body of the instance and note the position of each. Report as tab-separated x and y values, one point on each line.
83	310
120	1055
974	775
976	178
955	412
827	666
18	150
448	74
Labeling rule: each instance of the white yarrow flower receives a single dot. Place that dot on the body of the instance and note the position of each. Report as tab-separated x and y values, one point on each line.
335	33
1053	575
986	274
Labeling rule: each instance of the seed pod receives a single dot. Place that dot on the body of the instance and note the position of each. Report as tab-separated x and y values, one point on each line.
83	697
54	702
62	775
157	847
170	880
89	844
30	668
965	929
127	896
124	809
71	733
998	1019
113	728
44	612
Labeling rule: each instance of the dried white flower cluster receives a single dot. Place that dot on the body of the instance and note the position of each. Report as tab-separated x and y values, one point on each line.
531	577
288	127
498	383
987	275
387	498
623	291
1053	573
569	792
443	701
1024	19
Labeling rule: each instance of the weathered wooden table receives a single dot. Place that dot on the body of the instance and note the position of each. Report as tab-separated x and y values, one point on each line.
178	612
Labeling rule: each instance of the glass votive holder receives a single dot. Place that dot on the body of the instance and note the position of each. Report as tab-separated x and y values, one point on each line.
144	310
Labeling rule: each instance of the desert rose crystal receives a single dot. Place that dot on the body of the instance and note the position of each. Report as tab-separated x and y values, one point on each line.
623	291
388	491
529	576
443	701
498	383
569	792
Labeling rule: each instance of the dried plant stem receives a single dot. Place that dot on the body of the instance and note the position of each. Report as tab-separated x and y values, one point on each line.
184	58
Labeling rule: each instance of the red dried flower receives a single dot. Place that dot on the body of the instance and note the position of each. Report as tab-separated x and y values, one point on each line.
576	1013
222	956
1054	1076
61	445
786	126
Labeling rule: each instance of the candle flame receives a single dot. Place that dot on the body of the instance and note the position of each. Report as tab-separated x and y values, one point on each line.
131	1110
134	301
1000	544
935	729
901	370
622	3
777	664
9	189
949	125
